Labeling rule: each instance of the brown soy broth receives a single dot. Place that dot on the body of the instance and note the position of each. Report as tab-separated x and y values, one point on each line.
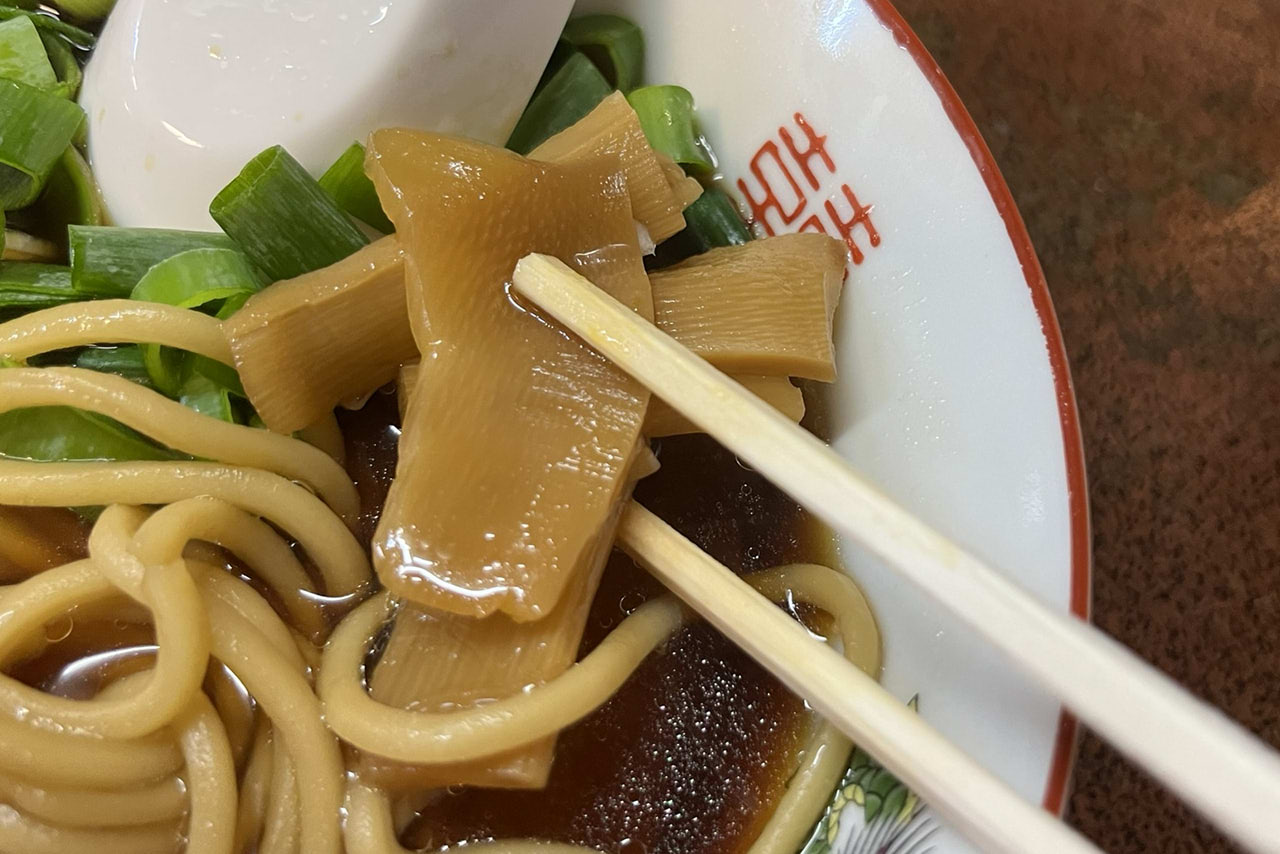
695	750
63	532
82	656
371	433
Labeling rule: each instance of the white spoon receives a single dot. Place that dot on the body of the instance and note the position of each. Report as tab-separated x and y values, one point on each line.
181	93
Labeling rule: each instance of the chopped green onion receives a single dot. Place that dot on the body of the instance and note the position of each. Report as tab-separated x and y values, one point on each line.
572	91
124	361
86	10
712	220
208	397
191	279
666	114
232	304
614	44
109	262
65	64
70	197
66	434
35	128
29	287
559	56
197	277
22	55
346	182
82	39
224	375
282	219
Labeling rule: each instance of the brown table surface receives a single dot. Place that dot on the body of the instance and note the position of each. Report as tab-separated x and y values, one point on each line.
1141	140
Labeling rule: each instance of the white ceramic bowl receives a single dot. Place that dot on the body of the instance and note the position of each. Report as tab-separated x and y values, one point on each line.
954	394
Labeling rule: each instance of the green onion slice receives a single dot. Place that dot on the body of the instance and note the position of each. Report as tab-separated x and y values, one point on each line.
712	220
109	262
86	10
667	116
29	287
571	92
23	56
613	43
70	197
45	22
192	279
124	360
208	397
346	182
197	277
35	129
559	56
65	64
66	434
282	219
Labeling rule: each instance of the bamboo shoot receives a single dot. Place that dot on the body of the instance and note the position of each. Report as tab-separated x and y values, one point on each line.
304	344
613	129
515	451
762	308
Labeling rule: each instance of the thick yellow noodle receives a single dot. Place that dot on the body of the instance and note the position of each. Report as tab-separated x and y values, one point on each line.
149	764
180	427
336	553
255	787
165	801
211	778
113	321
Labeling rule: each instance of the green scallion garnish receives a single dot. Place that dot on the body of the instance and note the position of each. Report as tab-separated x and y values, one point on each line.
30	287
23	57
197	277
667	116
559	56
109	262
86	10
82	39
70	197
614	44
65	64
569	94
124	360
282	219
35	129
712	220
346	182
192	279
208	397
66	434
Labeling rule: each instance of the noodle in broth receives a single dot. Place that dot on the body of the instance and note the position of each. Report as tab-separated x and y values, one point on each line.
117	754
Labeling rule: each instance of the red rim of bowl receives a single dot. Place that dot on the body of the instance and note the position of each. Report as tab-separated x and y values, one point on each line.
1064	751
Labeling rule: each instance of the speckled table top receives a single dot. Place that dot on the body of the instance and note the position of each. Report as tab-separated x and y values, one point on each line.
1141	140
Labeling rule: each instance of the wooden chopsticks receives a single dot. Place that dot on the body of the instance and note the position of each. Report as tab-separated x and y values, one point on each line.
1215	765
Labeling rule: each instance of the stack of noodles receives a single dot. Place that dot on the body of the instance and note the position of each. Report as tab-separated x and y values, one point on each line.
254	723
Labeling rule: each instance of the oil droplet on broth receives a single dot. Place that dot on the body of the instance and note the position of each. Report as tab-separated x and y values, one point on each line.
60	629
